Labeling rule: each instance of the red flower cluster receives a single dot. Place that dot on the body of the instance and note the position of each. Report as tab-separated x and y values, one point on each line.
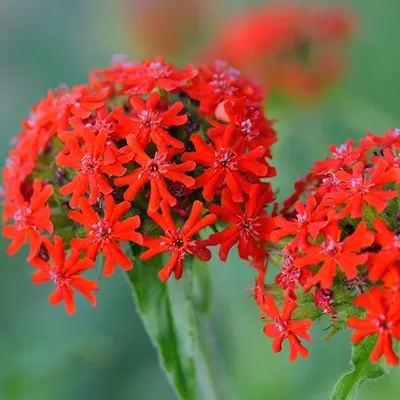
139	156
296	49
342	242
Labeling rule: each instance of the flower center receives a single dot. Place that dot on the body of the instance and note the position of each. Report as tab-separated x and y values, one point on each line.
67	99
155	167
89	165
101	231
381	323
178	243
396	243
281	325
23	218
301	218
149	119
225	158
330	247
340	151
248	226
158	70
58	276
395	133
356	182
222	82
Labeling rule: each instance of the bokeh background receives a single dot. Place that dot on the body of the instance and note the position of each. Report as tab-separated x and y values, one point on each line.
104	353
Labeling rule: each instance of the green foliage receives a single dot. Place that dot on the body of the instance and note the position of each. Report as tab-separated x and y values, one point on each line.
172	313
169	319
361	370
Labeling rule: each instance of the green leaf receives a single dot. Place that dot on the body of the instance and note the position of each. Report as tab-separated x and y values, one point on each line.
361	370
173	314
168	315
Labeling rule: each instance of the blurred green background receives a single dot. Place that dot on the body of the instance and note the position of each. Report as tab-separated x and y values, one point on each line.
103	353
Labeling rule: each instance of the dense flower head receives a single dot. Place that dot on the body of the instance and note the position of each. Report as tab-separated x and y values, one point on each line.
136	163
338	234
297	49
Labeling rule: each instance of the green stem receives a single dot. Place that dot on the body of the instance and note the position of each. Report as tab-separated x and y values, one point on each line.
275	253
174	318
208	361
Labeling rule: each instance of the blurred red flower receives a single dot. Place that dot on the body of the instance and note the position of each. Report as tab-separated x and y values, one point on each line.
159	30
297	50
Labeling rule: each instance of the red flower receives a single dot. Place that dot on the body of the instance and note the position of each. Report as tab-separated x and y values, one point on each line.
225	165
342	156
103	234
41	125
88	159
324	299
252	128
259	284
65	274
391	279
290	275
360	189
154	170
30	218
220	82
389	253
389	155
283	327
392	137
334	252
178	241
79	102
248	226
150	123
101	123
295	49
150	74
19	165
382	318
308	223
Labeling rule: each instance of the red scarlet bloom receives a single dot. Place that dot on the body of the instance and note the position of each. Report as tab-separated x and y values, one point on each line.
78	101
65	274
223	165
253	129
295	49
103	234
383	319
221	82
291	275
178	241
389	253
334	252
359	189
30	219
283	327
87	159
248	226
145	77
150	124
341	156
154	170
309	222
